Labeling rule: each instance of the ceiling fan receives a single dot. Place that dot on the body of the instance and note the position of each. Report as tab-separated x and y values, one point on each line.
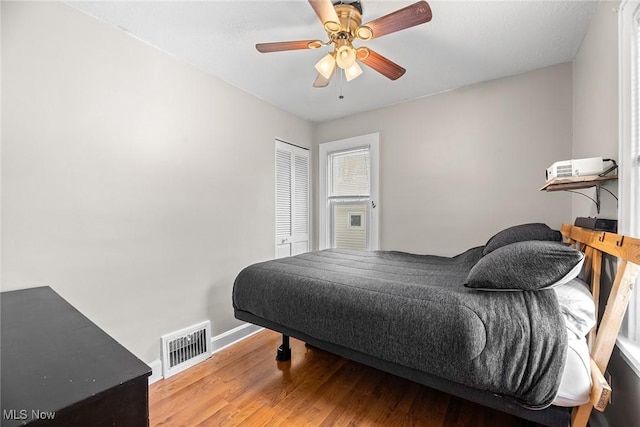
342	20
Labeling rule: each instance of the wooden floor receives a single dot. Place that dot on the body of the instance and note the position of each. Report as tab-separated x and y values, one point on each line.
244	385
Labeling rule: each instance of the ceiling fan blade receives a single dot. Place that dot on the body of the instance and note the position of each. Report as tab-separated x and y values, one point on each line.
292	45
327	14
321	81
415	14
384	66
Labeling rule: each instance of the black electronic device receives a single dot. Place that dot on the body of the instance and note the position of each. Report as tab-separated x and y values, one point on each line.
598	224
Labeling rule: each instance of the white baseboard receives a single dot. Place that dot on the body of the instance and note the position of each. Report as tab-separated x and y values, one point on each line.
235	335
156	371
218	343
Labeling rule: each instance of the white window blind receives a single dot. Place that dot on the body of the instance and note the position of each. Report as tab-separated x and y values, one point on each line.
350	173
632	212
635	140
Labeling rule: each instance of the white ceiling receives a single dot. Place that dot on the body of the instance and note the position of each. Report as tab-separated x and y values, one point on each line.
466	42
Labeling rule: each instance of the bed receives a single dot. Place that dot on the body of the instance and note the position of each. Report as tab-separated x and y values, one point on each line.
504	324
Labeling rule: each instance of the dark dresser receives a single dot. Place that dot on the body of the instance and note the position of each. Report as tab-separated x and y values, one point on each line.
57	368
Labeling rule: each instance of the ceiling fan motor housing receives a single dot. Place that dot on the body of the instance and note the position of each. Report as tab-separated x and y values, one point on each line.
354	3
350	16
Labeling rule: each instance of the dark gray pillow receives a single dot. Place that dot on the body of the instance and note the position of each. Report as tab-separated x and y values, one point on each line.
527	266
521	233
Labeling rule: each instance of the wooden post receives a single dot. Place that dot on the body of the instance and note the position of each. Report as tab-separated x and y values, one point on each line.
596	268
602	340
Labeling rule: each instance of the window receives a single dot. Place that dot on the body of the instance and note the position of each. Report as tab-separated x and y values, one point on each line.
349	198
629	181
348	189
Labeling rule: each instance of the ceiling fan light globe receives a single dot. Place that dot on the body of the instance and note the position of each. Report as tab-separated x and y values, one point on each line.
326	66
345	57
352	72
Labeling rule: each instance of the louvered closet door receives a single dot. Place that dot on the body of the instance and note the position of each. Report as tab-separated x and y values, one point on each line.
292	200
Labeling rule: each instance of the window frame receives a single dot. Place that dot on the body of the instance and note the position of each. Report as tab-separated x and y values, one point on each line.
373	142
629	160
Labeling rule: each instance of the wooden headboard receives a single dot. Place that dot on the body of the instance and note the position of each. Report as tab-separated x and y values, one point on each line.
603	337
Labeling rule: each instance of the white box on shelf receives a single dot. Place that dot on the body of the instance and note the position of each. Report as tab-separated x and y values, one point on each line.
575	167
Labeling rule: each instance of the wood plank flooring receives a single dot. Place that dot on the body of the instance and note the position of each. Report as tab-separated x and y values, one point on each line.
244	385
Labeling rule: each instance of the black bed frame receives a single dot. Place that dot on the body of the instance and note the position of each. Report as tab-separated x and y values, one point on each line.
552	416
595	245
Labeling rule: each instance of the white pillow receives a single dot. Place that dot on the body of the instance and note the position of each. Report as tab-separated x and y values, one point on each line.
577	307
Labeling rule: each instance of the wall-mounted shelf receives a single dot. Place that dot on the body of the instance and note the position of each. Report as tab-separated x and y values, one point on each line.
576	183
581	182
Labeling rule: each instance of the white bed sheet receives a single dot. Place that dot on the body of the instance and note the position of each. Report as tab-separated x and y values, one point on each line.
578	310
575	386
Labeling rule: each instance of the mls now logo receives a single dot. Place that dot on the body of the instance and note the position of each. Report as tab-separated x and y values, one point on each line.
15	414
23	414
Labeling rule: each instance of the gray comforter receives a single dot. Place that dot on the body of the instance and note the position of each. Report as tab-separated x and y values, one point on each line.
413	310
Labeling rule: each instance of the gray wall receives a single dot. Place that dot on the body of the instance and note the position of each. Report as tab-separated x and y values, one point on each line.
458	166
134	184
595	103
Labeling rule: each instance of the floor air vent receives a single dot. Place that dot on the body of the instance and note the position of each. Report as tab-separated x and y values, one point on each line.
185	348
